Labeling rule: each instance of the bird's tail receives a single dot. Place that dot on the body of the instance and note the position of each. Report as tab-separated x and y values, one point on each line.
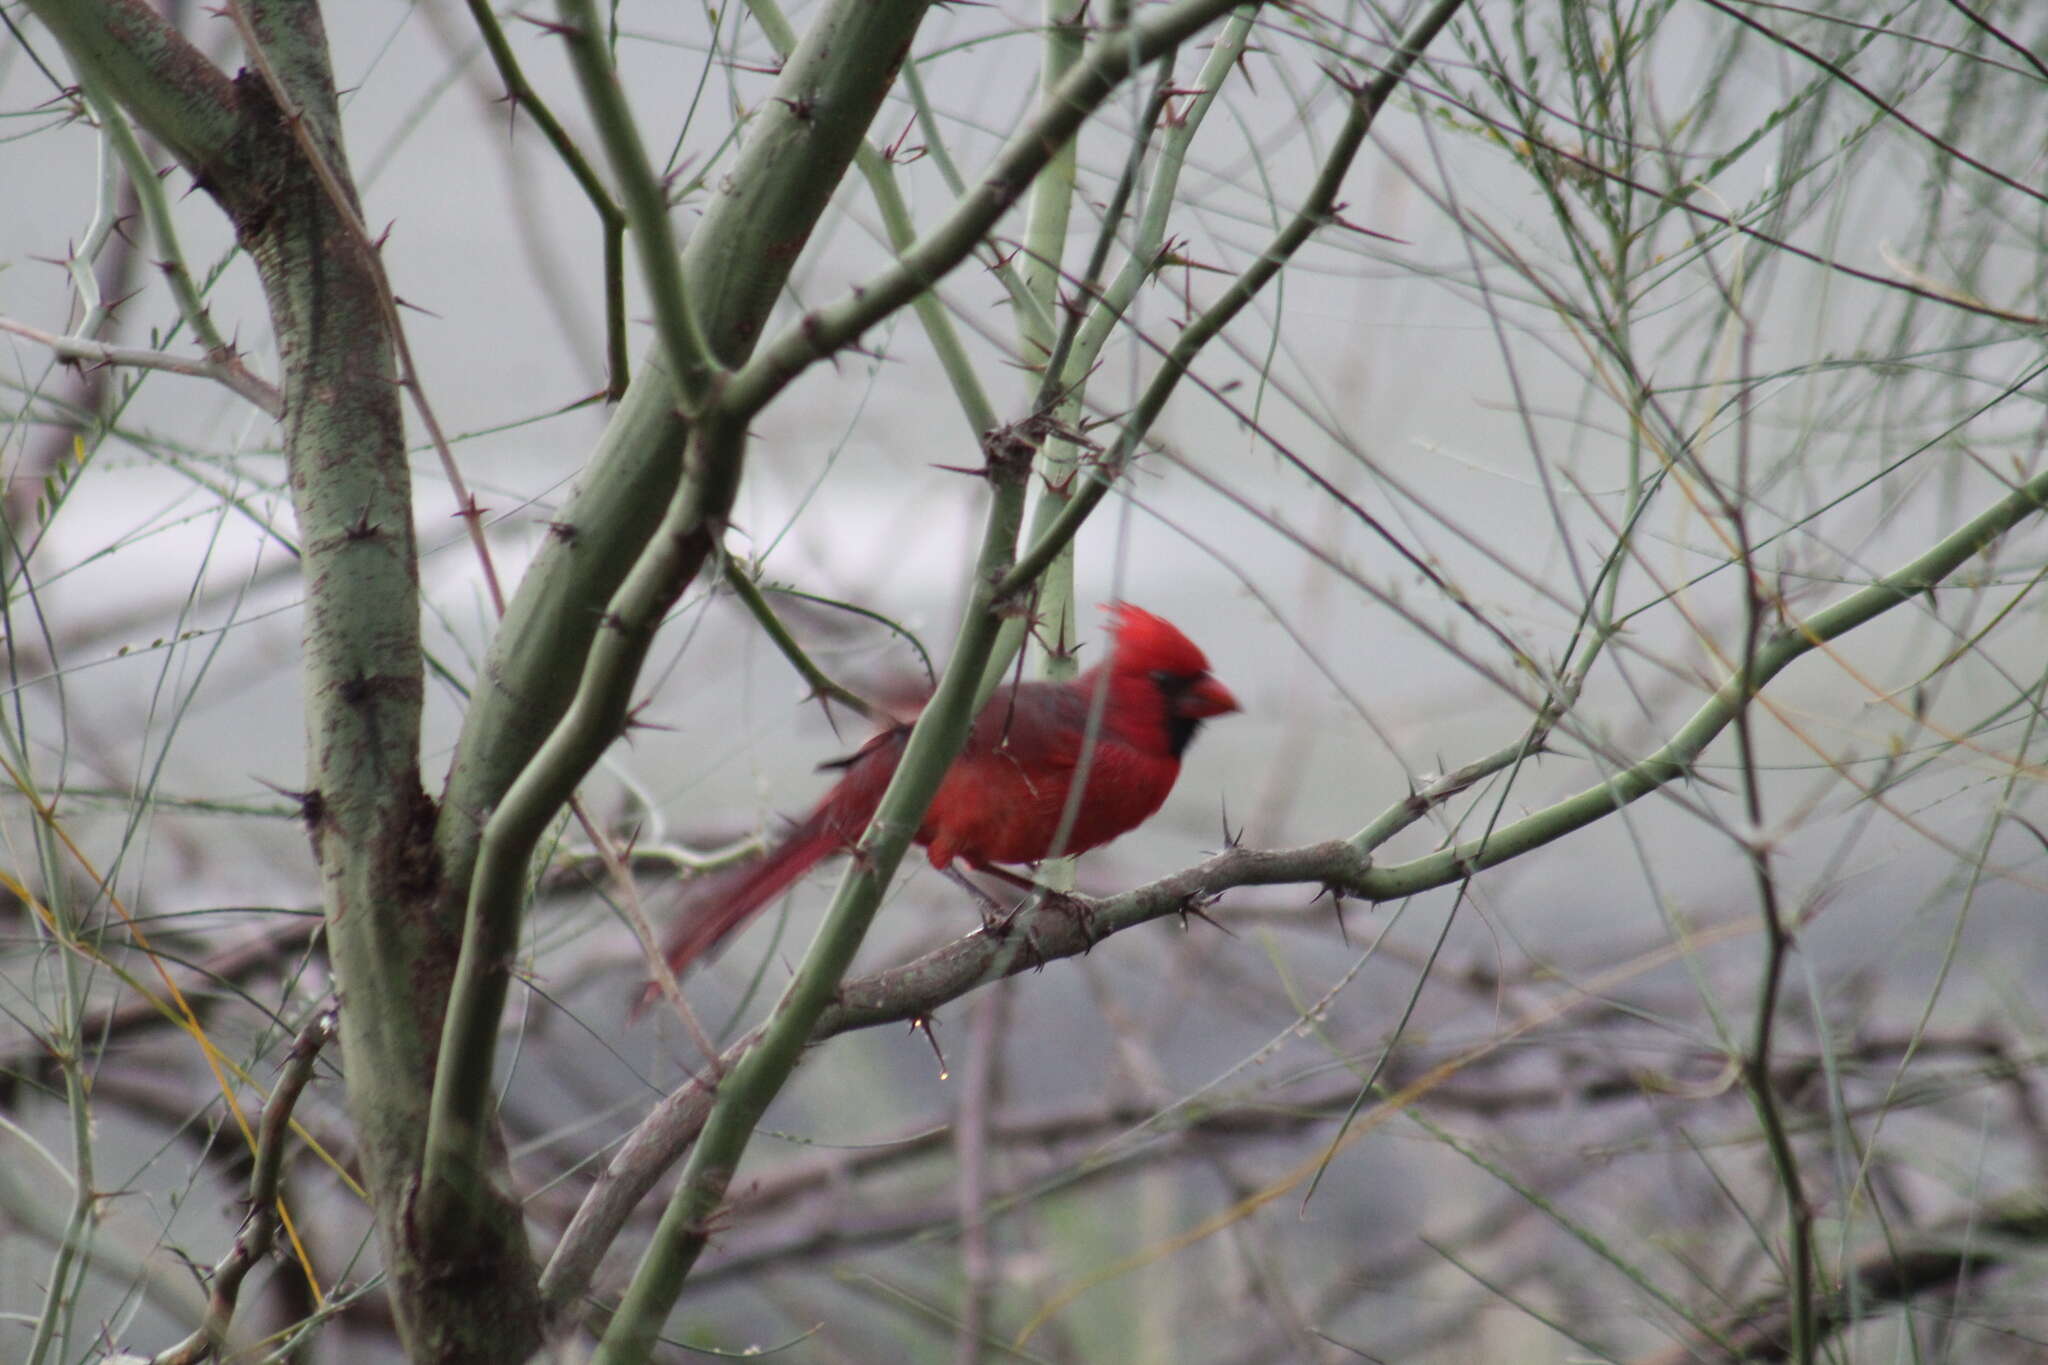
707	919
831	828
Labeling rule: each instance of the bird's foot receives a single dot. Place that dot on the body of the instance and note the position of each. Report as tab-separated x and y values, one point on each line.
1081	910
995	916
1044	901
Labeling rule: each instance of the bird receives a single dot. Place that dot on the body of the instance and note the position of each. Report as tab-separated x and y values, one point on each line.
1004	797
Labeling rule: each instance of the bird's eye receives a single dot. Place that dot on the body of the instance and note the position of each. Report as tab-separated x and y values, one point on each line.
1165	681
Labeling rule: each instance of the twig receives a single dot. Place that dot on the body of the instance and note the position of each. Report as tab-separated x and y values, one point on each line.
141	1012
1318	209
259	1228
156	209
981	1083
644	200
824	331
628	892
229	371
739	577
1778	941
1902	1269
611	218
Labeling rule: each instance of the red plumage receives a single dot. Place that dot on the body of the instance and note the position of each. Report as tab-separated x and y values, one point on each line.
1002	799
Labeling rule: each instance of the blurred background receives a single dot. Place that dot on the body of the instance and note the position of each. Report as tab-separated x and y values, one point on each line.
1629	306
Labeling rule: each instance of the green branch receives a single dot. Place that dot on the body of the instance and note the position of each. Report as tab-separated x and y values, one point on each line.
156	210
529	738
453	1175
740	578
691	362
611	218
736	264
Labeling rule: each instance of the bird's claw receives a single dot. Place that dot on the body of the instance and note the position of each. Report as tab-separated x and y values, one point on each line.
1083	912
998	924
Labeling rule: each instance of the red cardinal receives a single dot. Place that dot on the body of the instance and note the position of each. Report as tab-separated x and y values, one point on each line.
1002	799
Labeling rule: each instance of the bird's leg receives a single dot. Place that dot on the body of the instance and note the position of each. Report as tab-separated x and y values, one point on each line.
1016	879
995	919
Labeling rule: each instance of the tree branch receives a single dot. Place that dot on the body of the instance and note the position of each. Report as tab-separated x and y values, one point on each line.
178	96
259	1228
691	362
230	372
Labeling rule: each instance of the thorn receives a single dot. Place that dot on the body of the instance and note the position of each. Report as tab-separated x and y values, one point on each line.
824	700
1168	256
552	28
634	721
1341	221
894	153
1083	912
671	176
71	95
1245	68
715	1223
1349	84
929	1027
312	806
510	99
1196	906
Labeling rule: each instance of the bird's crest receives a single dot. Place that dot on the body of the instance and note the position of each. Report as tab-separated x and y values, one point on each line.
1147	644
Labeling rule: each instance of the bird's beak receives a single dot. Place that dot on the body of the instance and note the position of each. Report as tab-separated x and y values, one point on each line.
1205	697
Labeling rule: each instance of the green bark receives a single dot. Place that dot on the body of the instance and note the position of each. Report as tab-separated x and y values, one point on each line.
369	820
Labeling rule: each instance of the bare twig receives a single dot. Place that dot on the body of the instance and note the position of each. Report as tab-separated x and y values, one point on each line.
1940	1261
228	371
981	1092
259	1227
